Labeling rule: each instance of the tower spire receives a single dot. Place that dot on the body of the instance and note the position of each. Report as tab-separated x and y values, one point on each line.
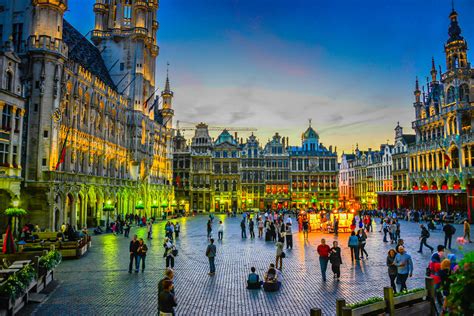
167	84
417	91
433	70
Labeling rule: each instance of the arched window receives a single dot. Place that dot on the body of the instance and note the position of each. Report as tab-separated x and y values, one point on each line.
9	79
450	97
464	92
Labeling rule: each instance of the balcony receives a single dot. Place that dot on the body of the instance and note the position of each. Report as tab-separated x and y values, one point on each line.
140	4
47	44
155	25
9	172
140	31
155	50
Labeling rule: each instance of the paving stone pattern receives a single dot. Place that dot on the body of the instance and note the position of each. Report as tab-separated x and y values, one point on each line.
99	284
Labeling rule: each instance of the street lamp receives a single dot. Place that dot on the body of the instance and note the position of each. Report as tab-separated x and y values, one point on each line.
108	207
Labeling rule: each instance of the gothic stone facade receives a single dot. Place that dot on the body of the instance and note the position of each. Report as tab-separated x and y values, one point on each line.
93	132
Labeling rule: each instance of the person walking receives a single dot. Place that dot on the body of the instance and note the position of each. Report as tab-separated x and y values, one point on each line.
404	265
260	227
467	231
385	230
323	251
362	236
305	226
220	231
209	228
392	269
336	225
141	254
354	245
251	228
168	276
133	248
169	253
243	228
425	234
166	299
177	229
449	231
336	260
126	229
279	254
211	255
289	236
149	229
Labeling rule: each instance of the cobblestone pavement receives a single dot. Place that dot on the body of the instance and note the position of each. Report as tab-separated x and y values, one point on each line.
98	283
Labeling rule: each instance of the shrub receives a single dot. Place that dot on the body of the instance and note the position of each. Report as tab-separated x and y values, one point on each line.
50	260
365	302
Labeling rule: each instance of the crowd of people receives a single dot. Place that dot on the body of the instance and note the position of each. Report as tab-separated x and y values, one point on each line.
276	227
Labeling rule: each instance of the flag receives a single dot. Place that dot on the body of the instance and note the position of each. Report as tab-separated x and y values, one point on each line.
154	104
62	155
178	181
447	160
8	242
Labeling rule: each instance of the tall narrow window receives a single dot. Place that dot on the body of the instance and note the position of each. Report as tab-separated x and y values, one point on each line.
9	83
6	114
4	153
127	12
17	35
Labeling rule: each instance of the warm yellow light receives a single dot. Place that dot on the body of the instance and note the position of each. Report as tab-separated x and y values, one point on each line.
15	203
109	202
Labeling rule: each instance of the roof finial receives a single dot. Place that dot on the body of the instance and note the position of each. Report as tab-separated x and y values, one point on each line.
167	84
309	122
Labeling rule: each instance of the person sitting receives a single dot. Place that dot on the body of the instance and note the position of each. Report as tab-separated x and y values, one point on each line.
98	230
253	281
272	281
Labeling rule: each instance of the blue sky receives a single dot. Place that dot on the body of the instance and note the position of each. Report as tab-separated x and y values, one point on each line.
272	64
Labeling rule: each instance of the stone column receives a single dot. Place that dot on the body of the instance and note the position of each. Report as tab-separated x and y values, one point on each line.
73	220
20	138
469	154
12	133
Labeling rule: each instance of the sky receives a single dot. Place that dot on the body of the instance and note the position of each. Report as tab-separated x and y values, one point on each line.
348	65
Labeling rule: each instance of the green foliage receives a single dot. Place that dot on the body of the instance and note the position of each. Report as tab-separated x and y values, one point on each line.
419	289
50	260
460	292
366	302
139	207
15	211
17	283
108	208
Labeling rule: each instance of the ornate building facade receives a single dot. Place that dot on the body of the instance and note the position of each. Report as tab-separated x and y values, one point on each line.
346	181
245	176
313	173
441	158
95	133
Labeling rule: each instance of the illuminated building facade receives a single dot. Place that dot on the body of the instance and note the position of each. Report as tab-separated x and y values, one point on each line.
277	181
313	173
441	161
347	181
95	134
201	171
252	170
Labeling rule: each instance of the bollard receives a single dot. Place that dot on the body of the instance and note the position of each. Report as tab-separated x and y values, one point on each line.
315	312
340	303
430	289
346	311
389	302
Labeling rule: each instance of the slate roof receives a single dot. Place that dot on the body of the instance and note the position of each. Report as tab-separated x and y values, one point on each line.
409	139
86	54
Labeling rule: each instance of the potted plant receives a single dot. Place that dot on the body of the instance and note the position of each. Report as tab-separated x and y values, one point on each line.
410	295
13	290
47	263
459	300
369	305
14	213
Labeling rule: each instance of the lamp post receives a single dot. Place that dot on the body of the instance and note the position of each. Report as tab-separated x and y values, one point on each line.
108	207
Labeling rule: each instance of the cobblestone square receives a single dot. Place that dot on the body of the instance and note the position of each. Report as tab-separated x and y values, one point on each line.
98	284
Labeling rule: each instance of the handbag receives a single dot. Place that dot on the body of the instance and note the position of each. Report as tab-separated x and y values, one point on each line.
174	252
283	255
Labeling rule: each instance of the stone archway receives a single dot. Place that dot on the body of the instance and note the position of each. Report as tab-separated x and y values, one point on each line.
68	209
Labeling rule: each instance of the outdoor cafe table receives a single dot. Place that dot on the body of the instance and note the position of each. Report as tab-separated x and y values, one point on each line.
23	262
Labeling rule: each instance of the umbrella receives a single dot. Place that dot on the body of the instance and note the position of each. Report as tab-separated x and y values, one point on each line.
8	242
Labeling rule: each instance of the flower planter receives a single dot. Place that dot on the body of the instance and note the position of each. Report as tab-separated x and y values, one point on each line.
402	299
11	306
48	277
40	284
370	308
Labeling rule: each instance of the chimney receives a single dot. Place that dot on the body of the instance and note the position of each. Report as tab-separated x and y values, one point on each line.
241	140
235	136
283	142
